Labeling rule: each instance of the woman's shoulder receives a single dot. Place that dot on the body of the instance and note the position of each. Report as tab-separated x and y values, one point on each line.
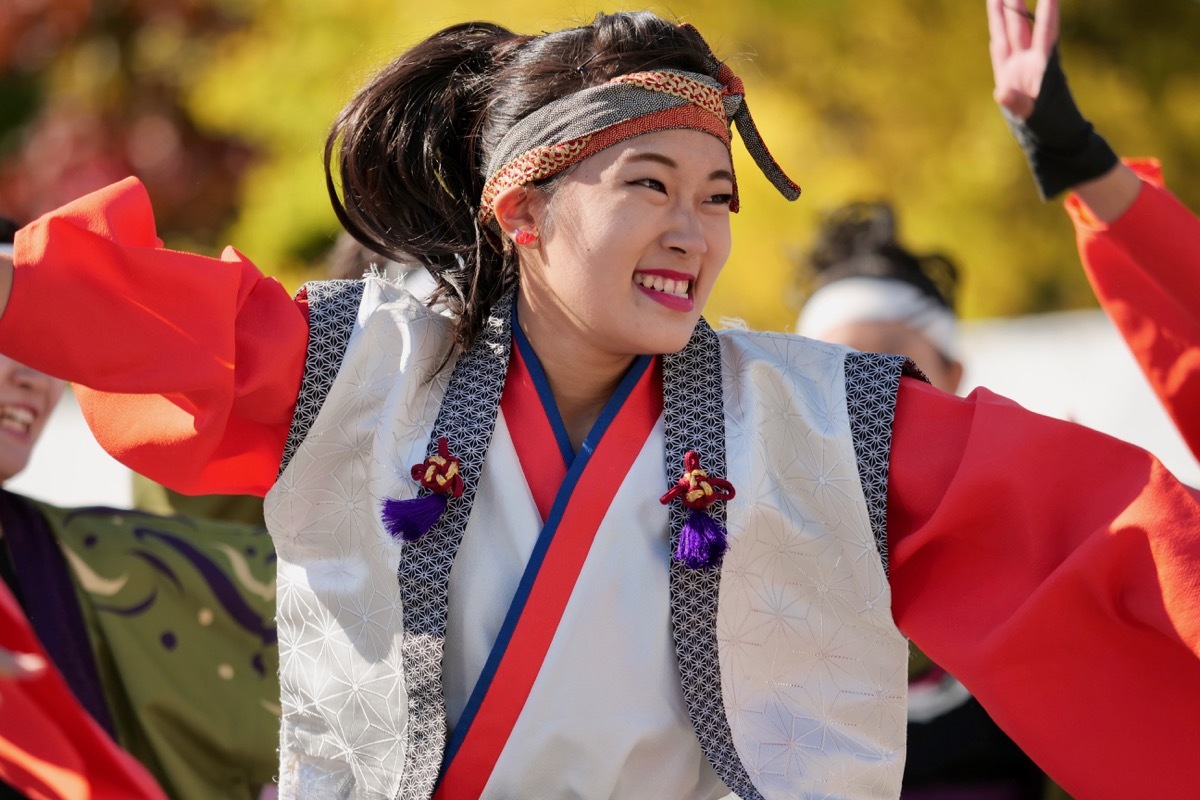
408	295
737	337
337	308
799	358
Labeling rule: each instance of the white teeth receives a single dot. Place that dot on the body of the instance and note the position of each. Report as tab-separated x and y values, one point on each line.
664	285
17	419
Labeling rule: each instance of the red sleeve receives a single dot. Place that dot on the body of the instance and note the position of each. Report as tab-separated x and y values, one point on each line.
192	364
1055	571
49	746
1145	270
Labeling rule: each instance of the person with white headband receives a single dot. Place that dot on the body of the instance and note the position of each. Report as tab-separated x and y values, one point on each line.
557	537
874	295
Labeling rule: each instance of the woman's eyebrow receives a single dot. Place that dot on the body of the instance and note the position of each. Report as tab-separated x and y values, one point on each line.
670	162
659	157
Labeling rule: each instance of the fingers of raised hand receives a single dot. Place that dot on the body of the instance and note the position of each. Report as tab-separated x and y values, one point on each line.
1045	27
997	31
1017	24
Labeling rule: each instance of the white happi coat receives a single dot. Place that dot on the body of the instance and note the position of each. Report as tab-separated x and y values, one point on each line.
808	676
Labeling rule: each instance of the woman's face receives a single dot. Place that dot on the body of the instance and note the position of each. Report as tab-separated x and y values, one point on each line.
26	399
632	241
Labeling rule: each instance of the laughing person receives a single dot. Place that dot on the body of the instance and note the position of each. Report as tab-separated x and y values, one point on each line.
566	540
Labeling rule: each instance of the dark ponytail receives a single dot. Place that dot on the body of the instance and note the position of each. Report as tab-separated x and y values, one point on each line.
408	151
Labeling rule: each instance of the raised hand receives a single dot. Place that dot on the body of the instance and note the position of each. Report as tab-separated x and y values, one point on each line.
1062	148
1021	45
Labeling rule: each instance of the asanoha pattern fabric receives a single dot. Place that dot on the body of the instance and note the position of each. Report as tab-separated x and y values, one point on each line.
695	420
794	674
344	697
812	668
467	419
332	307
872	381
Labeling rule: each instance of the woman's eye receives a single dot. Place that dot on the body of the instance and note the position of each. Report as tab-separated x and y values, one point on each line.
721	199
650	183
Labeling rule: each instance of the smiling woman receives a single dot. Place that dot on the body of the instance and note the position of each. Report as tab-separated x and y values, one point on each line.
27	396
26	399
553	536
638	242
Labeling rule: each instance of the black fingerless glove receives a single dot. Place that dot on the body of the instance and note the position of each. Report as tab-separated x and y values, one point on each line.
1061	146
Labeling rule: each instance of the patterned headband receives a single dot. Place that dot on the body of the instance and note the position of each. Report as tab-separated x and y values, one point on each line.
570	129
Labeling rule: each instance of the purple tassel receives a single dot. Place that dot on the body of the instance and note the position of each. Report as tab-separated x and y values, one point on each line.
701	541
412	519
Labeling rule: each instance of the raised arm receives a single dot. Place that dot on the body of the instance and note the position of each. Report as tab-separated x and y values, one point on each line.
192	364
1063	149
1139	245
1144	267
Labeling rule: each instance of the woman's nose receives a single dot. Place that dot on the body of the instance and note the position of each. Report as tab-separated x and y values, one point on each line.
686	233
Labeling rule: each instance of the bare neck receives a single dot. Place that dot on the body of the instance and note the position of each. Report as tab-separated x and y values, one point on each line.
582	378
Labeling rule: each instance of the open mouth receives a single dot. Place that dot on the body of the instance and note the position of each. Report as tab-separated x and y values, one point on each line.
677	287
17	419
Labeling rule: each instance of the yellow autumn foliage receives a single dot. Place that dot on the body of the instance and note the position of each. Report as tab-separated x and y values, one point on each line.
858	99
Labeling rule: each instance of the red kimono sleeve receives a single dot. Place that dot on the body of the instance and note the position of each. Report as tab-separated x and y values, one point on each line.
1055	571
1145	270
50	747
192	364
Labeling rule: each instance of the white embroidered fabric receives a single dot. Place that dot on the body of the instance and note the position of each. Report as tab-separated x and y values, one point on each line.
811	667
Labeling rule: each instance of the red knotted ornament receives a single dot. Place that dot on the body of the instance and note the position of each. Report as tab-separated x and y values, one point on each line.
440	474
702	540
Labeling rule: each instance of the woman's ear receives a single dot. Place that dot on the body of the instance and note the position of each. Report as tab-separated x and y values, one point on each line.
515	211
